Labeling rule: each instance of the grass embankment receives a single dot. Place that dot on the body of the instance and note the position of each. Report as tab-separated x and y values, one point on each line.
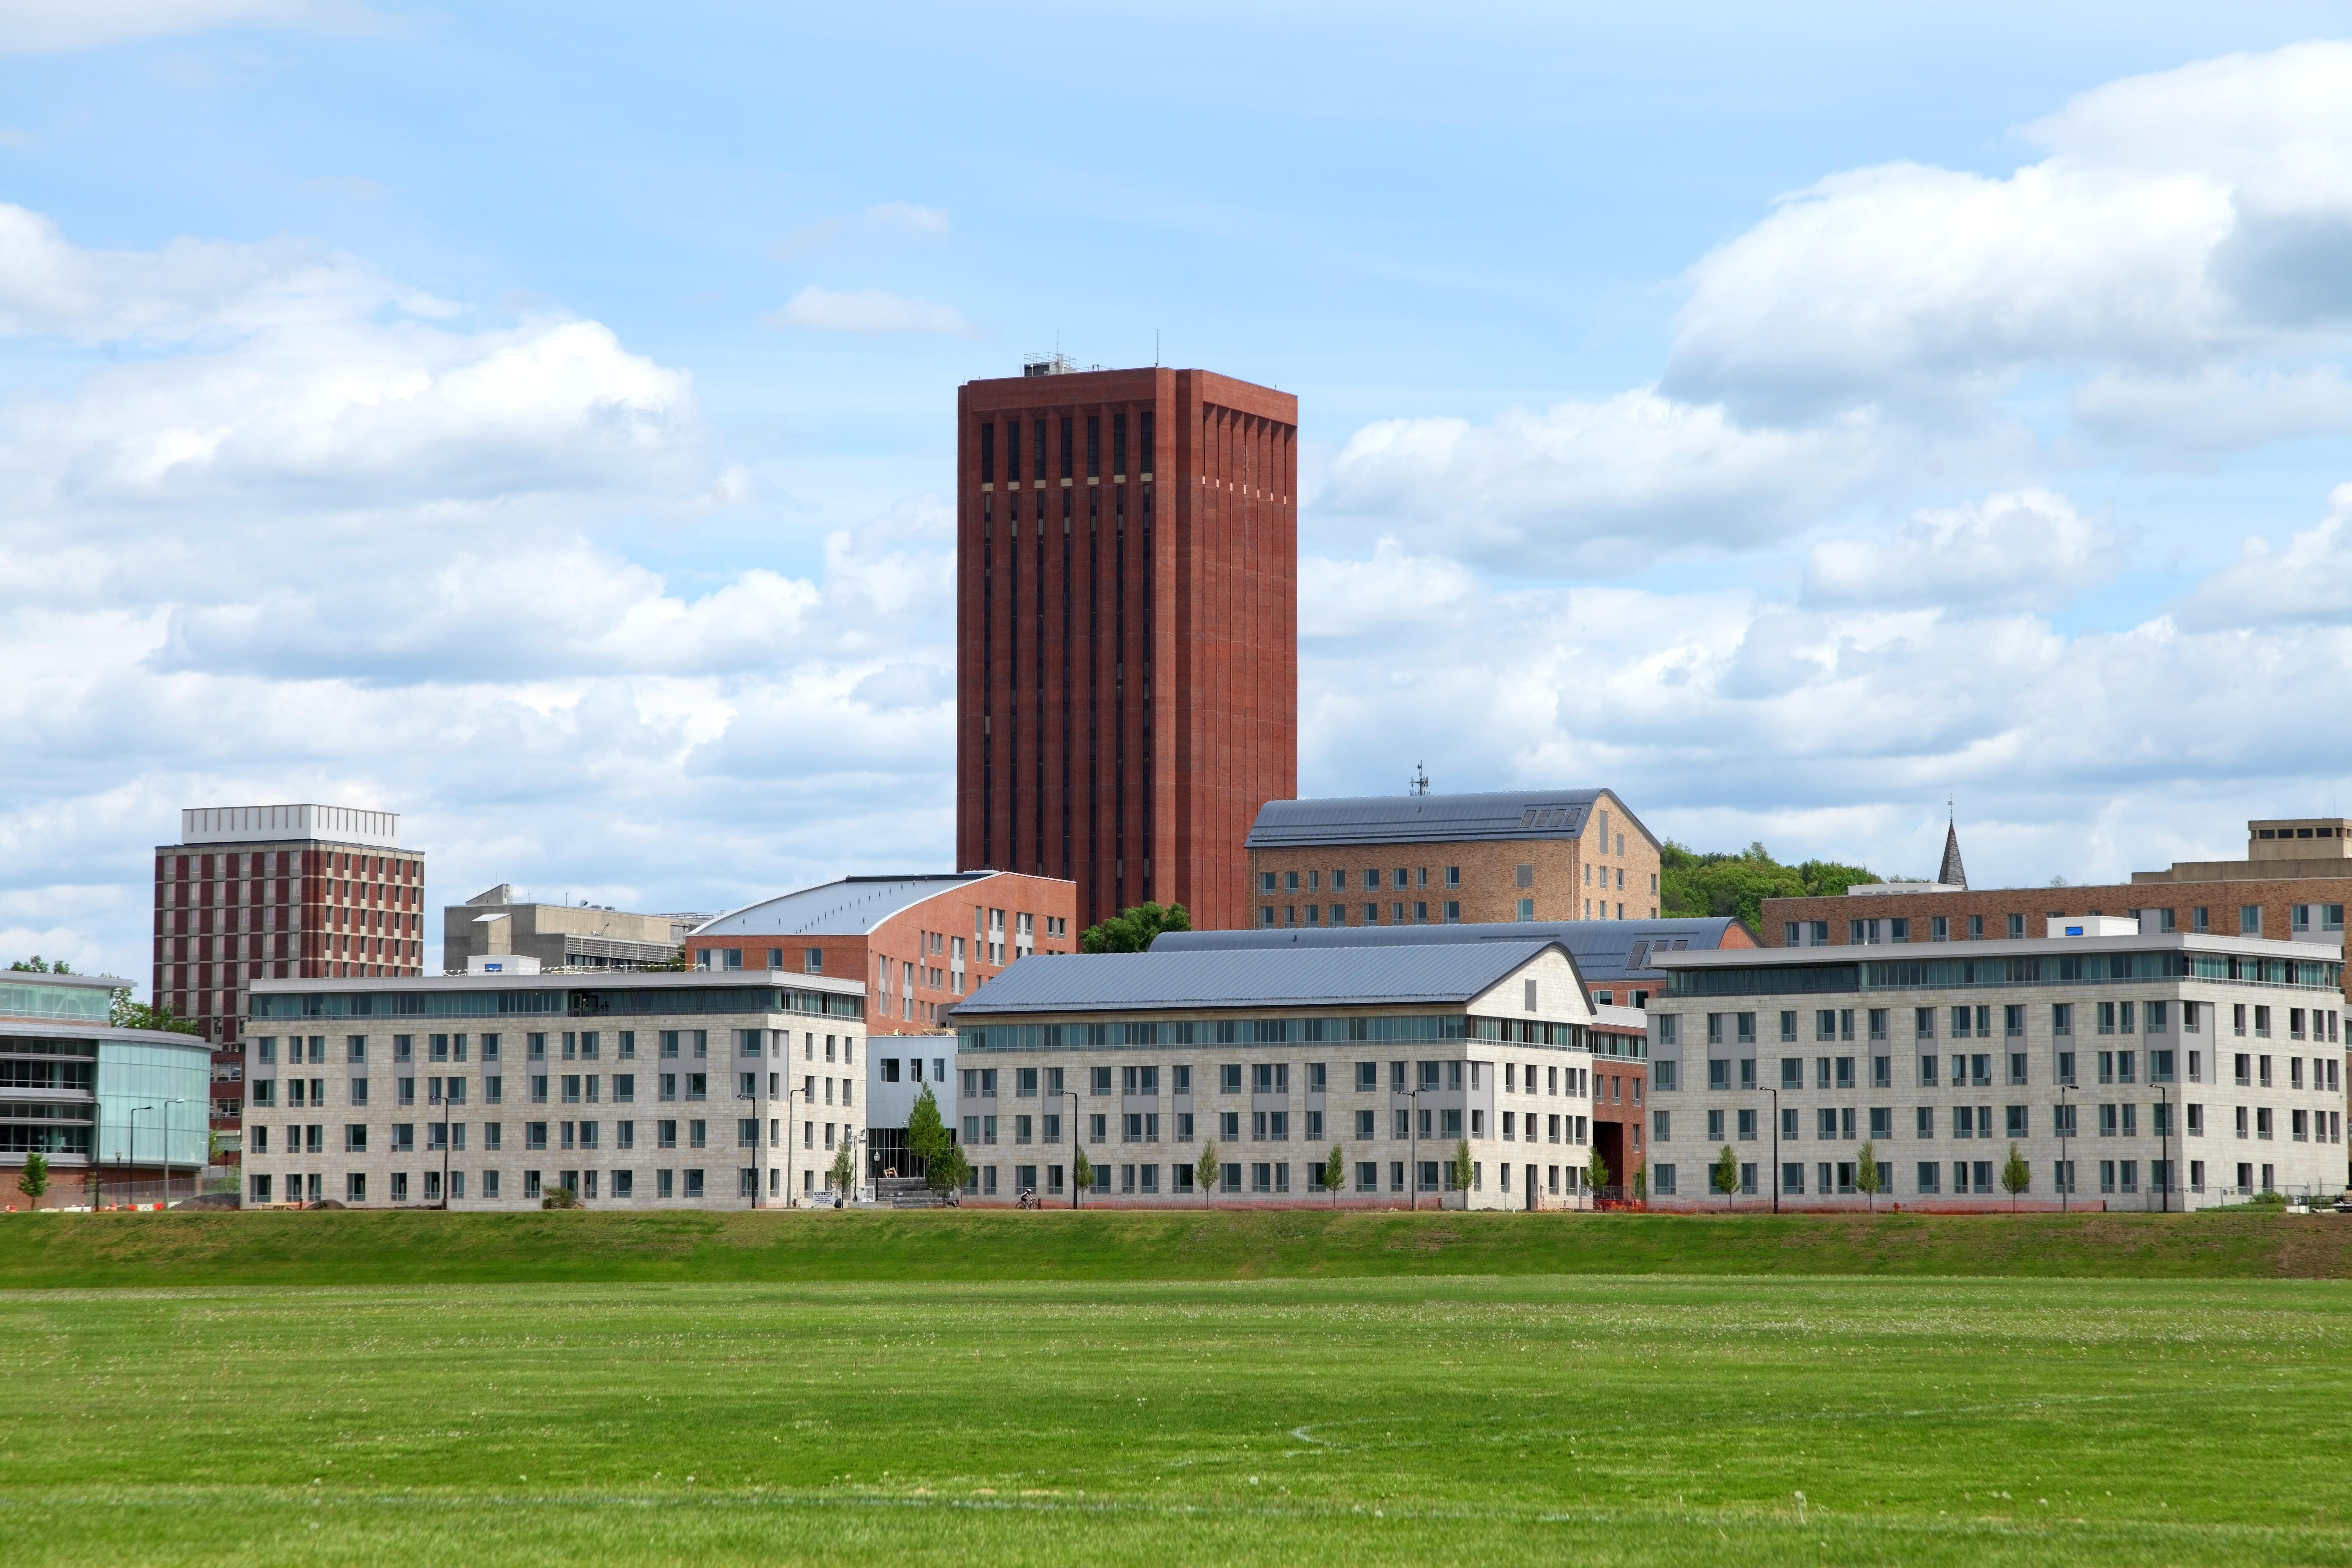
1361	1422
412	1248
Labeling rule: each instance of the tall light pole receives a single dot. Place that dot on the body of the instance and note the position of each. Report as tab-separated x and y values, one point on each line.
1072	1096
2065	1130
1775	1093
792	1198
167	1149
2164	1105
133	1181
1411	1144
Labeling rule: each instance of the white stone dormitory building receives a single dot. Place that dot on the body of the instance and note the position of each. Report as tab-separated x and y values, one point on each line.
2158	1070
1396	1053
651	1089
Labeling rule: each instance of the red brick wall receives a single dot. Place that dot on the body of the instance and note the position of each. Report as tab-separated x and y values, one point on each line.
325	902
902	939
1124	709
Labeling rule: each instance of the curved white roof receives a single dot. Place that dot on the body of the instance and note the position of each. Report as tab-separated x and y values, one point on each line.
851	907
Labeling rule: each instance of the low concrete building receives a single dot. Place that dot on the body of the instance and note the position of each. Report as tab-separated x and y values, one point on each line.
918	941
494	925
1394	1055
120	1115
1424	859
491	1092
2127	1068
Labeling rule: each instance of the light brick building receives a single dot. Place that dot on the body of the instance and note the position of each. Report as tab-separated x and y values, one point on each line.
1396	1053
489	1091
2142	1070
1421	860
1617	962
918	942
278	891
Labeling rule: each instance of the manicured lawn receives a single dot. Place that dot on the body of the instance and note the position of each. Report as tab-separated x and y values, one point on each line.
49	1251
1514	1419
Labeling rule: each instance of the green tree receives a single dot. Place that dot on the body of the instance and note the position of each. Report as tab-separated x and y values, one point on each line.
1207	1171
1596	1172
843	1172
928	1139
36	1179
1082	1176
1725	1177
926	1135
1335	1173
950	1170
1867	1178
1640	1185
2016	1175
37	964
125	1014
1462	1171
1714	883
1133	929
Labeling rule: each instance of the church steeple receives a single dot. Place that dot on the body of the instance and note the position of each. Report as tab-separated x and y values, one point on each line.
1952	873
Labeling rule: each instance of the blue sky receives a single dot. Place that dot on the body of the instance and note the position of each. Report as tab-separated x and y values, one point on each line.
535	420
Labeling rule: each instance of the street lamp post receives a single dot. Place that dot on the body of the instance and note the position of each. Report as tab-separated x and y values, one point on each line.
1411	1145
2065	1130
792	1198
2164	1188
167	1149
1775	1093
1072	1096
130	1179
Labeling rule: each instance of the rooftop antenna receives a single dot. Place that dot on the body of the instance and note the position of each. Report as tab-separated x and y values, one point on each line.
1420	783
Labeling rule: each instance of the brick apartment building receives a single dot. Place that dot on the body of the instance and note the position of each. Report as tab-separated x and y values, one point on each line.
918	942
1127	630
279	892
2293	883
1419	859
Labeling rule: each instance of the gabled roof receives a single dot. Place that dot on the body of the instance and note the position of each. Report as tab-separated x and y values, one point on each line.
1449	974
1605	951
854	906
1430	818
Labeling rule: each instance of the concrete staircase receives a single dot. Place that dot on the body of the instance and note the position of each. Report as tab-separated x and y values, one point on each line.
906	1193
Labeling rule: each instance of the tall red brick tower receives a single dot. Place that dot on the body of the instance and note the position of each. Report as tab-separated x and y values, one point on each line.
1127	630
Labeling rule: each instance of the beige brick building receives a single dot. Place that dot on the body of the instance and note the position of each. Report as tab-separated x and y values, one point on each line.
643	1089
2127	1068
1395	1055
1424	859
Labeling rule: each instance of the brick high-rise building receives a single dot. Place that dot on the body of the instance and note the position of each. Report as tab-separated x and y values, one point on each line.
287	892
1127	630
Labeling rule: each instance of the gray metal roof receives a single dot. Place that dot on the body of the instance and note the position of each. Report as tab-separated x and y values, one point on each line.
851	907
1606	953
571	980
1430	818
1451	973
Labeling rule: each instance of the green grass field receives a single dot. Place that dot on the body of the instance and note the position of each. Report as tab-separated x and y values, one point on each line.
1351	1418
413	1246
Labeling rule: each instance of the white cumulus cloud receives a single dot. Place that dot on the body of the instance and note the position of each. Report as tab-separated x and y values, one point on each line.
2031	548
1600	487
2180	217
